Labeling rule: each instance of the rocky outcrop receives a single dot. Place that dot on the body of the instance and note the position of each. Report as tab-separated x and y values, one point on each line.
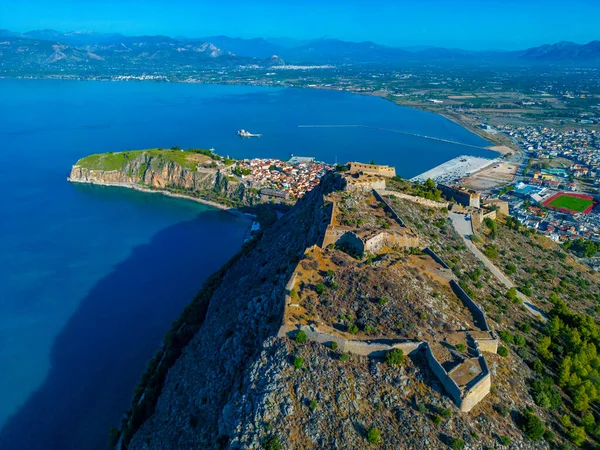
243	312
146	171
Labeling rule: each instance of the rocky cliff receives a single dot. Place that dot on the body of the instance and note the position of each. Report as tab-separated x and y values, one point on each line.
187	174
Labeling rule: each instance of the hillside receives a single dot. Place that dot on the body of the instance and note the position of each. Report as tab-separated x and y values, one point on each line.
290	345
197	174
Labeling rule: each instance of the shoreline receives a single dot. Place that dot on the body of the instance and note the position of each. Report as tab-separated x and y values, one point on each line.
234	211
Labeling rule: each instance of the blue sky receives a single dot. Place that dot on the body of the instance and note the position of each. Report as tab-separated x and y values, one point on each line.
472	24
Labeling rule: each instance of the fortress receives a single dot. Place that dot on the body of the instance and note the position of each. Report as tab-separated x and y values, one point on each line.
364	223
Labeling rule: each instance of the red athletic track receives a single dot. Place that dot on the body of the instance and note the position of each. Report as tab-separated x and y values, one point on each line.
588	210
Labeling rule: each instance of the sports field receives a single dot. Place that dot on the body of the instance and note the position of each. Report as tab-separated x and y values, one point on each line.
573	203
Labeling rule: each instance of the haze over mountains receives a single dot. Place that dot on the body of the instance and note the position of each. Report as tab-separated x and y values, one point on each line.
45	48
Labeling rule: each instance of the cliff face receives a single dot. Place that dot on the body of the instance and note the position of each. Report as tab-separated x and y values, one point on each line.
194	409
146	170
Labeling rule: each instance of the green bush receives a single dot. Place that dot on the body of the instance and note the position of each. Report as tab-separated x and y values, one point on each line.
394	357
461	347
271	443
298	362
320	288
374	436
519	340
382	301
504	440
313	405
352	328
457	444
300	337
334	345
344	357
503	351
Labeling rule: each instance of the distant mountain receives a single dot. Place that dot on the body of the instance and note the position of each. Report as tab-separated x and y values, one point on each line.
258	47
564	52
334	50
47	47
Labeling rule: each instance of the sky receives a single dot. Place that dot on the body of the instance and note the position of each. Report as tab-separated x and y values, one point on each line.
469	24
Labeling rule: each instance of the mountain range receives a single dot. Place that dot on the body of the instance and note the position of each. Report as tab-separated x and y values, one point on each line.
44	49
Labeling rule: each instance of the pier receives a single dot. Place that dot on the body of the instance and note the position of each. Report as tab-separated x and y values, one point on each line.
406	133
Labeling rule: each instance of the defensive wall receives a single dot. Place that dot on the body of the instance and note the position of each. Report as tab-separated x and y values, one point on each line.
465	197
371	169
388	208
413	198
465	397
476	311
435	257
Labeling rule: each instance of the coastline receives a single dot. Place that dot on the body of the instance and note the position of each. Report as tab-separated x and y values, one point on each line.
227	209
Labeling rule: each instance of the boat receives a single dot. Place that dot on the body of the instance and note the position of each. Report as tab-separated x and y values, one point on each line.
247	134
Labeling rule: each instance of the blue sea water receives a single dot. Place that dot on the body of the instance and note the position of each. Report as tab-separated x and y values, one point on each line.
92	277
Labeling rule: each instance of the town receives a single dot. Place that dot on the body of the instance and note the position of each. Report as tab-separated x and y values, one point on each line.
279	179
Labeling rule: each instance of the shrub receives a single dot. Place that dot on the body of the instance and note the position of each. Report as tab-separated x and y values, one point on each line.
532	426
352	328
320	288
294	295
519	340
548	436
344	357
374	436
507	337
457	444
446	412
511	294
461	347
394	357
504	440
271	443
545	394
436	419
334	345
313	405
300	337
298	362
382	301
503	351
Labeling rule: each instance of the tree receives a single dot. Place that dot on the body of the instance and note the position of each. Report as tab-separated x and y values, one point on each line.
543	348
374	436
394	357
511	294
298	362
503	351
457	444
320	288
532	426
271	443
577	436
300	337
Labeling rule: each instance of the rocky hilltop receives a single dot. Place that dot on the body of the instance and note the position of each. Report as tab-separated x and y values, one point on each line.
198	174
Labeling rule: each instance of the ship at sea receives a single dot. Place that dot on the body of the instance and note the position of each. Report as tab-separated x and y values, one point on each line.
247	134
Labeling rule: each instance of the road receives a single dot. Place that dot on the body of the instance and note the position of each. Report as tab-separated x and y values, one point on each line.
465	229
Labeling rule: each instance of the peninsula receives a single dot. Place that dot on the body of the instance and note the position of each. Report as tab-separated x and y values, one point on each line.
365	315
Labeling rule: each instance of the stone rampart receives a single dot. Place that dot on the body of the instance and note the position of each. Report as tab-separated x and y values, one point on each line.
478	388
413	198
478	314
389	208
372	348
435	257
449	384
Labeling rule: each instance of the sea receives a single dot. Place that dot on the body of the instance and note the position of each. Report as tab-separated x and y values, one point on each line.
92	277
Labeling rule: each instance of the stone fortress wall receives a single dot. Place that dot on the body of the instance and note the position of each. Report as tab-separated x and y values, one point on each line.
483	339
